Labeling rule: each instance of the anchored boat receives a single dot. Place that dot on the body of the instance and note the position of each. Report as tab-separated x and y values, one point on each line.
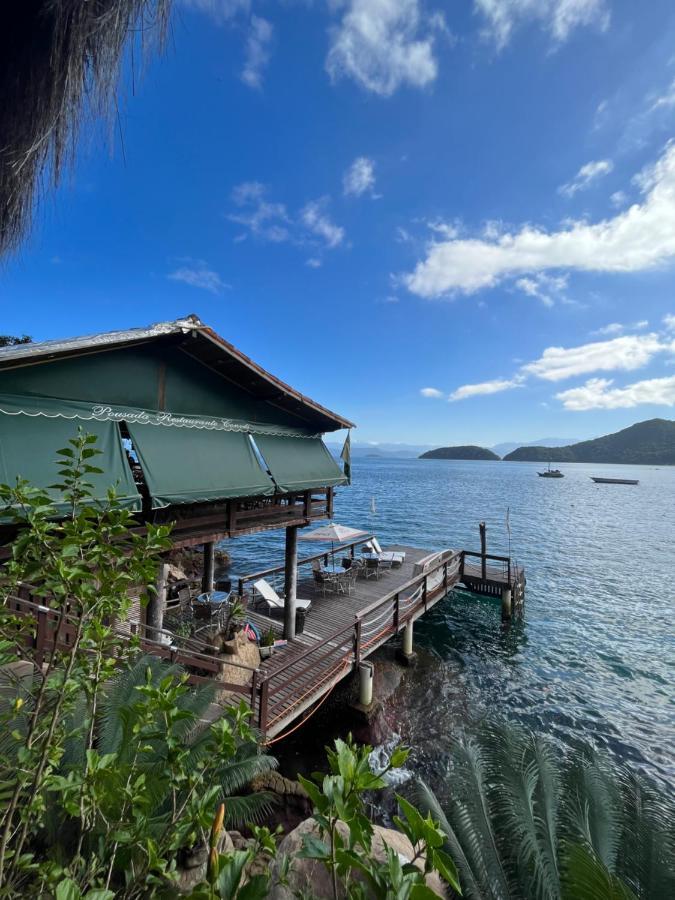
551	473
614	480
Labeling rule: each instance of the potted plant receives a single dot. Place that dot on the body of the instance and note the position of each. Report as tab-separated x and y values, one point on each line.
232	622
267	644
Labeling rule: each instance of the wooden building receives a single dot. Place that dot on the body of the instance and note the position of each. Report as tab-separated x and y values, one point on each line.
191	430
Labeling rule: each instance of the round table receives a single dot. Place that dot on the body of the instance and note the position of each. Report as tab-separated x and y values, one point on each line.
334	570
215	598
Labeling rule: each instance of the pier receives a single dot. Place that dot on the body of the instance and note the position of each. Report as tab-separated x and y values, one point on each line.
340	630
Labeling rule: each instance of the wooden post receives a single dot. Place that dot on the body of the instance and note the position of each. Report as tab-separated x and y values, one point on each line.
209	567
154	613
290	581
264	699
483	551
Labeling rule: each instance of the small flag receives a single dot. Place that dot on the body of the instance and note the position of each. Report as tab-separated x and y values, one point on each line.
346	457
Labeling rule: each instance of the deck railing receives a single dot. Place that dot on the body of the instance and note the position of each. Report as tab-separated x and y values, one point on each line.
344	648
491	566
56	630
325	555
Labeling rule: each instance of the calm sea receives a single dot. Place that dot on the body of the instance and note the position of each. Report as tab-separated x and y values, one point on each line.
593	659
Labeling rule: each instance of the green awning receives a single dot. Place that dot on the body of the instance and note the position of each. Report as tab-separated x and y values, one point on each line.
189	465
298	464
28	444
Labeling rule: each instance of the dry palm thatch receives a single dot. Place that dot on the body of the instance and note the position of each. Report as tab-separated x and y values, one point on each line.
59	62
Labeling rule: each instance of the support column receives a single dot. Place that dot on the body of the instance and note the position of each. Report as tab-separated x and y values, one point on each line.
506	604
154	613
406	654
209	567
290	581
408	638
483	550
366	672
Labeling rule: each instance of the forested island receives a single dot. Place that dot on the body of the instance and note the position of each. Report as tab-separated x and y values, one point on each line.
468	451
645	443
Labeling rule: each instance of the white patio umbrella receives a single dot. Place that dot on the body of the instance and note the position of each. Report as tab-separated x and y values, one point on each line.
333	532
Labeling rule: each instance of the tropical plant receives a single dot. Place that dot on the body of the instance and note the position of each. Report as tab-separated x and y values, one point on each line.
348	852
107	768
523	821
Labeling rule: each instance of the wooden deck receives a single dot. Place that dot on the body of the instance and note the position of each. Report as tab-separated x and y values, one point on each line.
341	630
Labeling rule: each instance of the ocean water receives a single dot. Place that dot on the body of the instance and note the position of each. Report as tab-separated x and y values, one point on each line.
593	658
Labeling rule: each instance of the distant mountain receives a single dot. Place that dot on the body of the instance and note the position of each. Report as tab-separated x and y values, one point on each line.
509	446
386	451
468	451
646	443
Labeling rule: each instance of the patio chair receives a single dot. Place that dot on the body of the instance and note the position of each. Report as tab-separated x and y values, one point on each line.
274	603
376	545
371	568
348	579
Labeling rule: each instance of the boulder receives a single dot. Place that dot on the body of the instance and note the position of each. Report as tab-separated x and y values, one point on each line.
292	805
312	876
193	870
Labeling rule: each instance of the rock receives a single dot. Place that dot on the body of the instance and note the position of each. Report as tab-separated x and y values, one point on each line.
312	876
292	804
245	653
194	867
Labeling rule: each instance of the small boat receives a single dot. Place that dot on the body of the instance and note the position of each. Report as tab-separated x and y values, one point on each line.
551	473
615	480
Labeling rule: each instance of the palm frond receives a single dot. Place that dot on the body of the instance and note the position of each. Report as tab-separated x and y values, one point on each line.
585	877
247	809
472	817
60	60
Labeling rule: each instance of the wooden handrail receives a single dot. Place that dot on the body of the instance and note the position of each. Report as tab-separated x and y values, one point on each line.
302	562
487	555
353	631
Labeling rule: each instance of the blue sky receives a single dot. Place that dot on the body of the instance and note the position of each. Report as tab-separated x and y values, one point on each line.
451	222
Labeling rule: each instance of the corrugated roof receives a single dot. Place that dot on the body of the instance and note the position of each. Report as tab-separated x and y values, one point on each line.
211	349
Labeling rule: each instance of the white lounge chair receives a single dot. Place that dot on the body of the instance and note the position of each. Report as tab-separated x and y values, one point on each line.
376	545
275	603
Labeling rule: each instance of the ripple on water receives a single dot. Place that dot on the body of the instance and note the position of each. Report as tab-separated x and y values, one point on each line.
593	659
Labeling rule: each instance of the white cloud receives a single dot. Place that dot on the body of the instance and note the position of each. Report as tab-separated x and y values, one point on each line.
546	288
669	321
486	387
257	51
665	100
558	17
267	221
431	392
200	276
626	353
598	393
616	328
639	238
383	44
359	177
313	263
586	175
611	330
272	222
318	222
619	199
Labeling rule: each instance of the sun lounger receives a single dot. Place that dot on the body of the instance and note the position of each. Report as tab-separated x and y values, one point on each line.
274	602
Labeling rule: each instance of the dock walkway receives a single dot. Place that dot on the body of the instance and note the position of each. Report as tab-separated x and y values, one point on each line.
340	630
